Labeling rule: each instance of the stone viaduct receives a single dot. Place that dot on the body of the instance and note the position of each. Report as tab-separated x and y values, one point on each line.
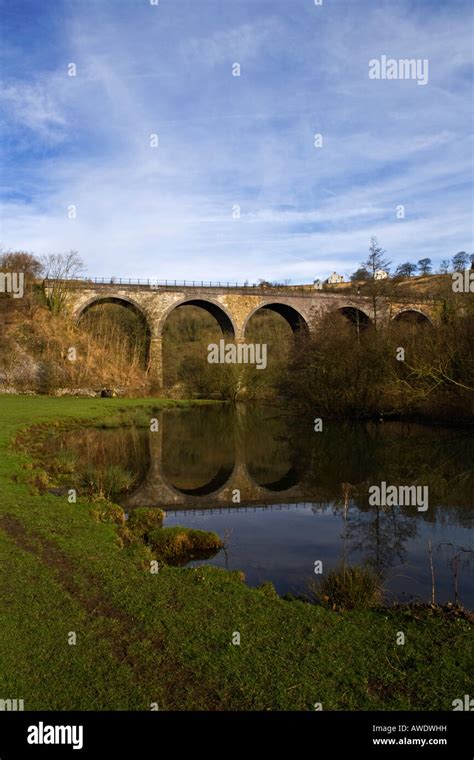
233	306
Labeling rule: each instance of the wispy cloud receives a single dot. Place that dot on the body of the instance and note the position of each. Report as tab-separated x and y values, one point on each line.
33	107
246	141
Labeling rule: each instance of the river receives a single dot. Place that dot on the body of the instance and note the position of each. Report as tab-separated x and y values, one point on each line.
287	495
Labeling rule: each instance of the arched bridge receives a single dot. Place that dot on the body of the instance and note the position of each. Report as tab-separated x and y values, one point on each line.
232	306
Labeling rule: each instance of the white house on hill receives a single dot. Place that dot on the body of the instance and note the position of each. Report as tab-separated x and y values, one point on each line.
334	278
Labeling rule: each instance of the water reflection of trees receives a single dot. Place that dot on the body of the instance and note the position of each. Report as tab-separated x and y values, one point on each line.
380	535
364	455
198	448
399	454
267	447
396	453
126	448
197	445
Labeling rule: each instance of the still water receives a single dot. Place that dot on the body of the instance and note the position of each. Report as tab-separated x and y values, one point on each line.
286	496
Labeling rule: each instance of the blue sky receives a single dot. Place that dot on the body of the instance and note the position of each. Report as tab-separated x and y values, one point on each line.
227	141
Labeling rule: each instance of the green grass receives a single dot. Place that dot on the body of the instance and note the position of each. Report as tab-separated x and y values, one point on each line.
178	545
143	520
107	480
167	637
348	588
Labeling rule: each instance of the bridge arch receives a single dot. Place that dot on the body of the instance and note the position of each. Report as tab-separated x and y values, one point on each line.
125	301
211	306
355	316
296	320
412	316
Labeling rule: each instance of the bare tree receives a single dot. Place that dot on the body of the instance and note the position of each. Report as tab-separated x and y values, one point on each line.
27	264
460	261
376	260
425	266
21	261
58	269
405	270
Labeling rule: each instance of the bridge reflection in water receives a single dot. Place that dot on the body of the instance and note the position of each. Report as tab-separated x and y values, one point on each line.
166	484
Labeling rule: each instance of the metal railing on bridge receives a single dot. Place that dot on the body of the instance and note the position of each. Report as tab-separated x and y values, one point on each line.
155	284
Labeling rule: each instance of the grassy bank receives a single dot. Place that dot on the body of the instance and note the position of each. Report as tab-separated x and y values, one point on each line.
144	638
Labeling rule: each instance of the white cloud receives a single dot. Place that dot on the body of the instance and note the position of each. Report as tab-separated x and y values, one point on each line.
241	43
167	212
32	106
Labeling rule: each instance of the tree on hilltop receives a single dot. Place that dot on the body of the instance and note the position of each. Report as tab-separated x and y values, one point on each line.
425	266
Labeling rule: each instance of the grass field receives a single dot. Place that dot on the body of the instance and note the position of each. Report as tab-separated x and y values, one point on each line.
165	639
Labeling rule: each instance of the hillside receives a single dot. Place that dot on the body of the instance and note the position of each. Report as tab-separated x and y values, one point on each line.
36	356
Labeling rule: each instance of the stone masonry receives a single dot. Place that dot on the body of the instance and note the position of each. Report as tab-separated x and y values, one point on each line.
233	307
